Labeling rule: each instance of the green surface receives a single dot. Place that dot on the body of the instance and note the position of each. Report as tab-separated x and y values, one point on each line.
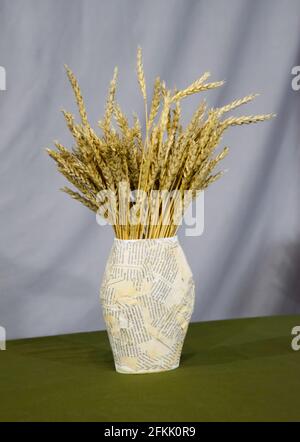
232	370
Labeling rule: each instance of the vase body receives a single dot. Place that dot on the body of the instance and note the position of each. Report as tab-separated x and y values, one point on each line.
147	297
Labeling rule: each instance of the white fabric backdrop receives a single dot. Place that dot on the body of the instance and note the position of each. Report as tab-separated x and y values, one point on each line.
52	252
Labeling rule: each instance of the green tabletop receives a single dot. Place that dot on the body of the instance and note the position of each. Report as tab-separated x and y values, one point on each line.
231	370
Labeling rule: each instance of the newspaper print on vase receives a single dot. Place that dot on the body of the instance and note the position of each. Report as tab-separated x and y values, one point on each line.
147	297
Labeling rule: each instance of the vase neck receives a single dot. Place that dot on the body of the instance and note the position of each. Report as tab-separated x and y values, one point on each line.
149	240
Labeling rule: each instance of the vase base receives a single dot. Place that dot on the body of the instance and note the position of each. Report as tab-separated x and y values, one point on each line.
124	370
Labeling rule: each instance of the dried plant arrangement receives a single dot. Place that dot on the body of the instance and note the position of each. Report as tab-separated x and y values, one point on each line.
169	157
141	180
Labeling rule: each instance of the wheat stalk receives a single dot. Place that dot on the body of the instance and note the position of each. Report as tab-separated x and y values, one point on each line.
169	157
78	96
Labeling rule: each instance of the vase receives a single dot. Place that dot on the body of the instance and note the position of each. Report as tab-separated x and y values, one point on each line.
147	297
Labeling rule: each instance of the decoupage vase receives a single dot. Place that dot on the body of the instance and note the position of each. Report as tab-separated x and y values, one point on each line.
147	296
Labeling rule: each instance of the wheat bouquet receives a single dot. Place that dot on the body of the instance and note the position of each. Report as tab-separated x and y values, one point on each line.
141	180
169	157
